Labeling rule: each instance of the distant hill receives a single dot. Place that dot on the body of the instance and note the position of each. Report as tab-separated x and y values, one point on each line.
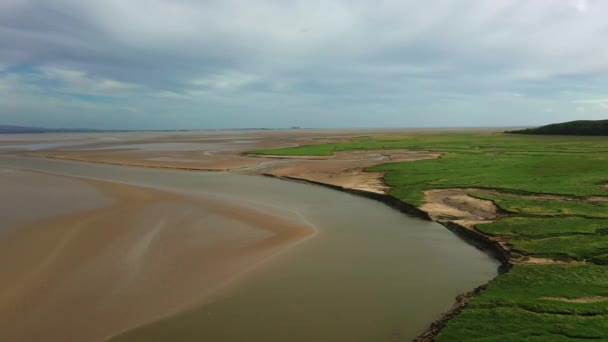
11	129
25	129
580	127
19	129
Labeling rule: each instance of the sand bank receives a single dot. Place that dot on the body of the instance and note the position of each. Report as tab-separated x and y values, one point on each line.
223	151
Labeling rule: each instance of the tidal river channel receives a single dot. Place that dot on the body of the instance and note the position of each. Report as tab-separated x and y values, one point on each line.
368	273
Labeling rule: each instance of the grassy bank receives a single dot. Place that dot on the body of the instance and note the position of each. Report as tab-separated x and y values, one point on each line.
539	303
542	302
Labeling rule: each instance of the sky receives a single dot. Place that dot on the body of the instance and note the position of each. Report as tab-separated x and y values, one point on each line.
207	64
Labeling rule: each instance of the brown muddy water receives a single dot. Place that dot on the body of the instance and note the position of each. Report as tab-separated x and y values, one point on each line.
370	273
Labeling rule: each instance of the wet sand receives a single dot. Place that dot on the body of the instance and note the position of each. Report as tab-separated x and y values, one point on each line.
27	197
103	257
226	150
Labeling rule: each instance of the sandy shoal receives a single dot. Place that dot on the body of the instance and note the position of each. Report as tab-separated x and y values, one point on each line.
345	169
146	254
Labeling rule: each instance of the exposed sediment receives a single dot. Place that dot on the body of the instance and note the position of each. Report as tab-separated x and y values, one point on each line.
345	169
457	205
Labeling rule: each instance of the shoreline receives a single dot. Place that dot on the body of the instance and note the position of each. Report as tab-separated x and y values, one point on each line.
477	239
474	238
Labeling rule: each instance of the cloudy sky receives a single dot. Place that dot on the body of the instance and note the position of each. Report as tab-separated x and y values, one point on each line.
154	64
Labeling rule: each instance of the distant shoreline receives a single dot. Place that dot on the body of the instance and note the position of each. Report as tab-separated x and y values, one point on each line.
7	129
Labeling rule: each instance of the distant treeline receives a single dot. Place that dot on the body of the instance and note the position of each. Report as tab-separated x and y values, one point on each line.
580	127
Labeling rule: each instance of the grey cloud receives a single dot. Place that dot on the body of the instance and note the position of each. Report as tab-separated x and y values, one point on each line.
213	62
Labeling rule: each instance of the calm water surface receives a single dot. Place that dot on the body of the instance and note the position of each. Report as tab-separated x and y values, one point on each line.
370	274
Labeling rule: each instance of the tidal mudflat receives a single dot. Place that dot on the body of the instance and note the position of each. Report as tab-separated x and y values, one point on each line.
161	254
122	256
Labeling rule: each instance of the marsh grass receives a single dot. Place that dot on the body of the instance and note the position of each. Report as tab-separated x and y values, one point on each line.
515	305
518	306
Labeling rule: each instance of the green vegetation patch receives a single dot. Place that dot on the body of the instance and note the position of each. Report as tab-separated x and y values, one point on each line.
531	303
567	175
517	163
561	238
526	303
548	207
508	324
542	227
549	228
528	286
470	143
576	247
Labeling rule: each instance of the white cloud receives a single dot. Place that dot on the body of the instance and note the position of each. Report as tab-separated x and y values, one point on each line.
582	6
169	95
601	103
80	82
592	101
225	81
108	84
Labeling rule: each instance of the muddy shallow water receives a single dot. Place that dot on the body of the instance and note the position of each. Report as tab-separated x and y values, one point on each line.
370	273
